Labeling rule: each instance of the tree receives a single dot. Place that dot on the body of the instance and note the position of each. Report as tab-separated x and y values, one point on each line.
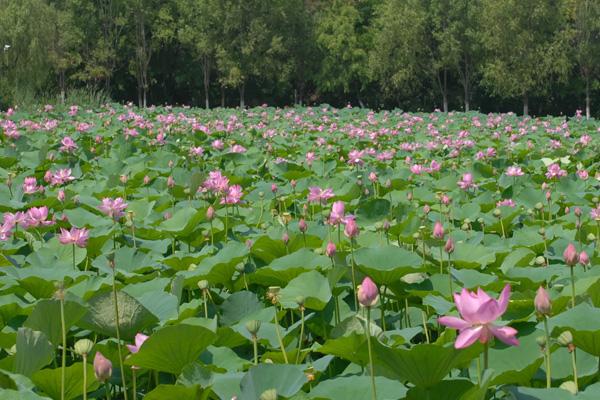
525	45
585	22
399	53
67	38
344	43
199	30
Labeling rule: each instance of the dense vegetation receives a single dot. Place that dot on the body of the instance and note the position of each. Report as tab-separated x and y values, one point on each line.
179	253
414	54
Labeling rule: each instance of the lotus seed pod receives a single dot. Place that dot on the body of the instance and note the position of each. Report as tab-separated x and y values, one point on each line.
569	386
539	206
269	394
240	267
465	227
253	326
300	301
591	237
83	346
594	199
540	260
12	350
467	221
192	267
541	341
203	284
565	338
416	235
480	221
529	211
497	213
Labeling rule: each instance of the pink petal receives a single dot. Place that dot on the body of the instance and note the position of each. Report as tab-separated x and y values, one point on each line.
505	334
467	304
487	312
503	300
467	337
454	322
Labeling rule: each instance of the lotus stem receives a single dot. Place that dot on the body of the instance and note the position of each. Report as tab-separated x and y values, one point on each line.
114	287
572	286
301	334
255	348
84	355
486	347
285	357
548	363
64	347
134	384
574	363
353	275
371	369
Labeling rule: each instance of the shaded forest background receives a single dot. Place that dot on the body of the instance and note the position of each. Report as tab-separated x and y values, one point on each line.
538	56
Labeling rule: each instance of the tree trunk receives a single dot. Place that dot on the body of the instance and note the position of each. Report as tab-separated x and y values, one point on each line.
61	82
206	71
587	97
525	105
466	87
222	96
242	90
145	97
445	90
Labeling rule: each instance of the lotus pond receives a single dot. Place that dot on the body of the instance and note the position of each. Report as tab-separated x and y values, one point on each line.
306	253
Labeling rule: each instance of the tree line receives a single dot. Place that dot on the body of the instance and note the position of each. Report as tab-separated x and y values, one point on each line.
491	55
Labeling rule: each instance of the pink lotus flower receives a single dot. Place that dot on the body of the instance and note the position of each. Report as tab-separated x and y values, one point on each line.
37	216
113	207
318	195
584	259
438	230
233	196
506	203
216	182
76	236
367	293
61	177
466	181
330	249
478	311
102	367
595	213
570	255
554	171
337	213
30	185
449	246
542	302
140	338
302	227
351	229
514	171
68	145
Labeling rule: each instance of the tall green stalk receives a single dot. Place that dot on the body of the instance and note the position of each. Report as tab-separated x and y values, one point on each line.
115	299
371	368
64	345
548	362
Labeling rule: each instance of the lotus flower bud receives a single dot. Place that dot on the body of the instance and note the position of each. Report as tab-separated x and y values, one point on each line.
249	243
146	179
367	293
426	209
293	183
123	179
584	258
61	195
542	302
577	212
83	347
449	246
330	249
285	238
253	326
351	229
438	230
102	367
302	225
170	182
541	341
210	213
570	255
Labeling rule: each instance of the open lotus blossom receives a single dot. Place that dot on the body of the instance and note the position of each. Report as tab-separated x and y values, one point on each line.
61	177
140	338
318	195
514	171
37	216
113	207
478	312
68	145
233	195
30	186
554	171
337	213
466	182
76	236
